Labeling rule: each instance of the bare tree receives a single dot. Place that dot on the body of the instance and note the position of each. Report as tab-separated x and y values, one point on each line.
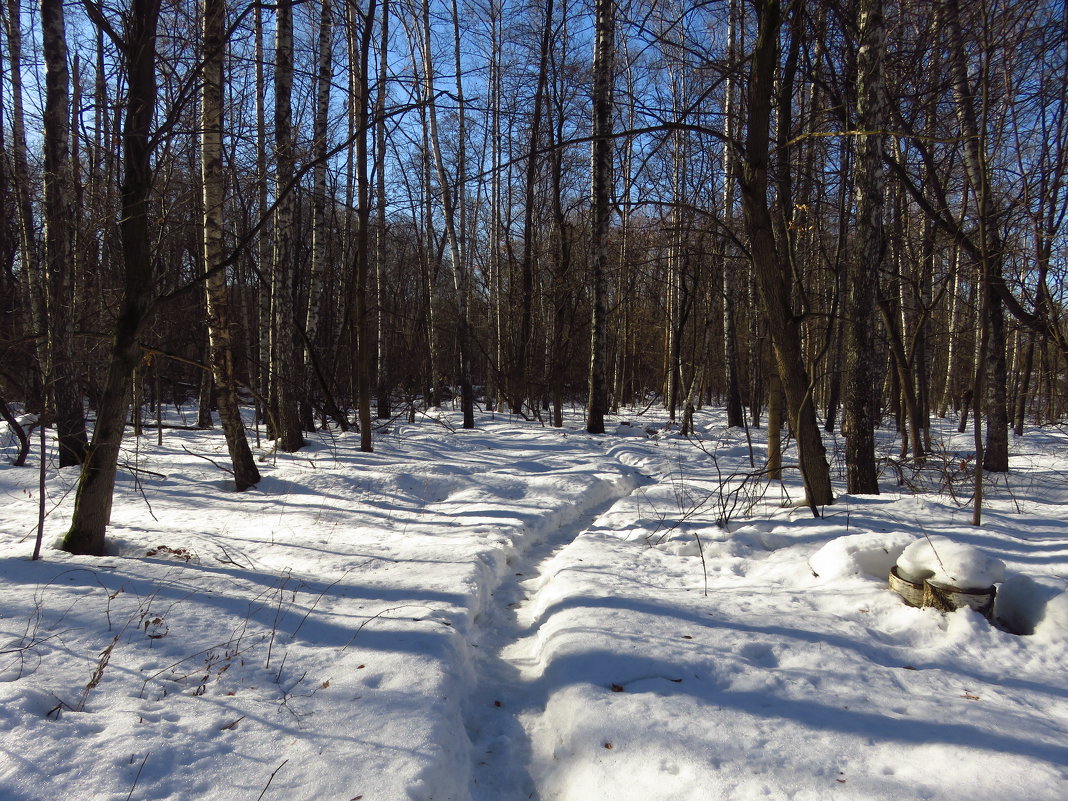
604	52
221	350
452	205
284	376
61	381
92	505
860	408
770	267
33	287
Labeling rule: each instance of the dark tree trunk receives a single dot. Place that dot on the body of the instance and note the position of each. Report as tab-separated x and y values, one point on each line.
991	255
382	375
17	430
771	271
870	247
996	452
221	354
92	505
1025	387
603	62
518	381
284	348
361	105
60	375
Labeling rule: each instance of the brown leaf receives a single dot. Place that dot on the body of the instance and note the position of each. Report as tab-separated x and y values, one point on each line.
617	688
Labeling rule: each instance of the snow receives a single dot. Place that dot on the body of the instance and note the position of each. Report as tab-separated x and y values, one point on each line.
520	612
870	554
945	563
1025	606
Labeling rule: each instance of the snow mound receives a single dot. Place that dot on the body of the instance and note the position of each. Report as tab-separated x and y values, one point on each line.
696	541
1053	626
1024	606
872	553
627	429
942	562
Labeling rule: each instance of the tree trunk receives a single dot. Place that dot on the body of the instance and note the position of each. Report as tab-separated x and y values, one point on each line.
320	229
92	505
452	207
382	377
560	337
29	258
18	431
603	66
1023	393
735	409
518	389
495	379
60	375
265	308
285	377
361	103
996	452
774	467
461	270
912	426
859	409
220	345
771	272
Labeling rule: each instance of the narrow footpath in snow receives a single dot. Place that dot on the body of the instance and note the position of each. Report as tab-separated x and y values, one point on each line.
508	700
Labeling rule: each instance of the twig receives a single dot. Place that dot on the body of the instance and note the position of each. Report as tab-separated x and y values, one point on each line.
277	615
704	565
206	459
318	598
138	470
376	616
440	420
138	776
40	497
260	796
159	673
229	560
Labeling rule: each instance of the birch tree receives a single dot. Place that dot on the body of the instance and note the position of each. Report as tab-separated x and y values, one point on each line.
61	381
600	209
452	205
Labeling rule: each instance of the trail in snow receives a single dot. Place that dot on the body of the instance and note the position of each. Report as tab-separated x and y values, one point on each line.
508	699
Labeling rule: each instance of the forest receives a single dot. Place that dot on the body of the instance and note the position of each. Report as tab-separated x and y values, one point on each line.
822	216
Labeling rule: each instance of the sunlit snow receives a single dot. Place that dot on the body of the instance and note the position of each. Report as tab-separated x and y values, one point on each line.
519	612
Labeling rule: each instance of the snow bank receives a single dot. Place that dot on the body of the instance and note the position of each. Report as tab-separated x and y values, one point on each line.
1026	606
943	562
872	554
494	615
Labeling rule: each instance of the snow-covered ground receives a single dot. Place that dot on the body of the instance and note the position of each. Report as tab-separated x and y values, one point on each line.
518	612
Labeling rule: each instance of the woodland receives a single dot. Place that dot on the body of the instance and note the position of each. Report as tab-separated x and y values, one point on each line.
822	216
